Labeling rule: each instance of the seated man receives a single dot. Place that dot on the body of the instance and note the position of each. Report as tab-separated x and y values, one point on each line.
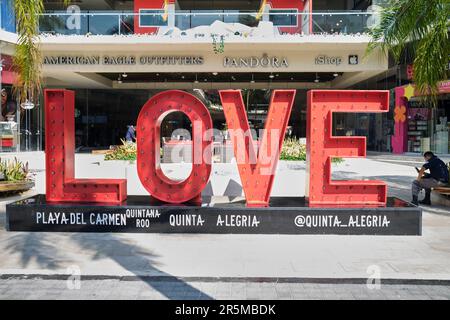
438	176
131	134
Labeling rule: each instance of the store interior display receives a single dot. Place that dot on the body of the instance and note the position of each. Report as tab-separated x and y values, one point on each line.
8	136
441	136
418	137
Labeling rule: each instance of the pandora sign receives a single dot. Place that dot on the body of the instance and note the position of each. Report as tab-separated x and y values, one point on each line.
264	61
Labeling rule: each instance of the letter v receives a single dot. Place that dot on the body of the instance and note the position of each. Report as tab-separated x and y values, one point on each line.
257	173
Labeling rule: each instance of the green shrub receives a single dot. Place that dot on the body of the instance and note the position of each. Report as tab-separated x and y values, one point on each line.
14	171
293	150
126	151
337	160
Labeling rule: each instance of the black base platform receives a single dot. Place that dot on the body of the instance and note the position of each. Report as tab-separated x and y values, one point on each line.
284	216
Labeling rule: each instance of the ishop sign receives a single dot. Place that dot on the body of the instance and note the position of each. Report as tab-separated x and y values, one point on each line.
325	60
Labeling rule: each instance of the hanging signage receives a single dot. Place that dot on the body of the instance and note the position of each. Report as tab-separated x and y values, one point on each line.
264	61
353	59
123	60
325	60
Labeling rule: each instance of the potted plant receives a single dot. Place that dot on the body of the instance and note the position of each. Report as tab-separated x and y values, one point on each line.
14	177
126	151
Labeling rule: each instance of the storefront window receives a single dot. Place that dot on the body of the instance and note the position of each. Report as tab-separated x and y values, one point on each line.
418	128
441	126
428	128
102	117
374	126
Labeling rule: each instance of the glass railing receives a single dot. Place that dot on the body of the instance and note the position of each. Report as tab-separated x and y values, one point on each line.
190	19
158	22
95	22
356	22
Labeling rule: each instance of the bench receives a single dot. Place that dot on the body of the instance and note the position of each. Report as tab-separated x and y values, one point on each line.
443	192
11	187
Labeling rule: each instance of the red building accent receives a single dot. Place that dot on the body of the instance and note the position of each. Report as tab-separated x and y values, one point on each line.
287	4
257	169
322	146
400	138
148	145
8	74
61	185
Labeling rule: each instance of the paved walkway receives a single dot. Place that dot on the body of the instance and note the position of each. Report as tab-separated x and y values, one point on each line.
147	289
237	256
406	159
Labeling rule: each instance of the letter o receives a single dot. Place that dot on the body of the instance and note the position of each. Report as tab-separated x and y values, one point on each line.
148	146
265	61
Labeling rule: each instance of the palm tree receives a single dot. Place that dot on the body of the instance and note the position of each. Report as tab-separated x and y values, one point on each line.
422	26
27	58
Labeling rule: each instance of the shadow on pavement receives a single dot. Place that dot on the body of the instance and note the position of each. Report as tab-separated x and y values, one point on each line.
132	257
40	248
234	189
34	247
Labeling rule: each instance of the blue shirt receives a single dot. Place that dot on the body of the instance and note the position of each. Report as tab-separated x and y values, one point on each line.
438	169
130	136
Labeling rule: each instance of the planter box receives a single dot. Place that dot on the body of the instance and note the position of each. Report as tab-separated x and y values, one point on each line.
7	186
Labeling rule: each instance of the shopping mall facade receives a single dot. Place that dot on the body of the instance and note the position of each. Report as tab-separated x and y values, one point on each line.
116	55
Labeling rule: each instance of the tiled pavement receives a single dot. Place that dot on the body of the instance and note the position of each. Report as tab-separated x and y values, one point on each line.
37	288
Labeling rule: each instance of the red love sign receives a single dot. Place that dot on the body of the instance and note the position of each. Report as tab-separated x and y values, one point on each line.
256	160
